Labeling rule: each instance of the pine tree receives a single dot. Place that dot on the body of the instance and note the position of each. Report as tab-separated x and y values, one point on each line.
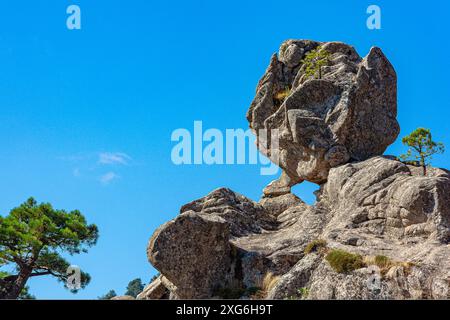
421	147
32	238
134	287
315	60
108	296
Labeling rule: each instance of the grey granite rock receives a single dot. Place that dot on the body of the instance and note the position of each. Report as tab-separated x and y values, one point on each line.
375	207
350	113
332	132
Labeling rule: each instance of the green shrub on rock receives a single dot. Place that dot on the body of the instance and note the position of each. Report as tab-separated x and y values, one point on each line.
315	246
343	262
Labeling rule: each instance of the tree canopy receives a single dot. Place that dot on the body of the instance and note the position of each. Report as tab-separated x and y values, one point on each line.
421	147
134	287
108	296
33	237
315	60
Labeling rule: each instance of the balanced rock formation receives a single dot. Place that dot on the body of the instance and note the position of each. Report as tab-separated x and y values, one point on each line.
379	228
347	114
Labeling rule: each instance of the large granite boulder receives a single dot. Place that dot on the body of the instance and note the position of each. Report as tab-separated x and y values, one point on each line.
194	252
348	114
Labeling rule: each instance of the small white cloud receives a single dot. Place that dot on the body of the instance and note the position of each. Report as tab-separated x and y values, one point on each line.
88	164
114	158
108	178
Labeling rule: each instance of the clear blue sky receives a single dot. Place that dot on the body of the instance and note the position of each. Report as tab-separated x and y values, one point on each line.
137	70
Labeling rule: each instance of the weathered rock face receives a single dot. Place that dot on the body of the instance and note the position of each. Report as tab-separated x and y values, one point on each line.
194	253
332	131
386	197
350	113
381	207
374	207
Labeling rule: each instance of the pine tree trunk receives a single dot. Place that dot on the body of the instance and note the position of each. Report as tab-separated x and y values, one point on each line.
424	165
18	284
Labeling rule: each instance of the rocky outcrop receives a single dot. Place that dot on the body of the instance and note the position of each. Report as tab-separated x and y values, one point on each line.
386	208
374	207
384	214
385	197
347	114
194	252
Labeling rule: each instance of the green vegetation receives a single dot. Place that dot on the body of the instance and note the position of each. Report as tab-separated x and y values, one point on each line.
343	262
32	238
315	60
421	147
134	287
301	294
108	296
318	245
24	294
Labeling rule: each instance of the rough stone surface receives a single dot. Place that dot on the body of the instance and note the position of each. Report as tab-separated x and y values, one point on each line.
332	133
348	114
298	277
277	205
388	198
194	252
375	207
